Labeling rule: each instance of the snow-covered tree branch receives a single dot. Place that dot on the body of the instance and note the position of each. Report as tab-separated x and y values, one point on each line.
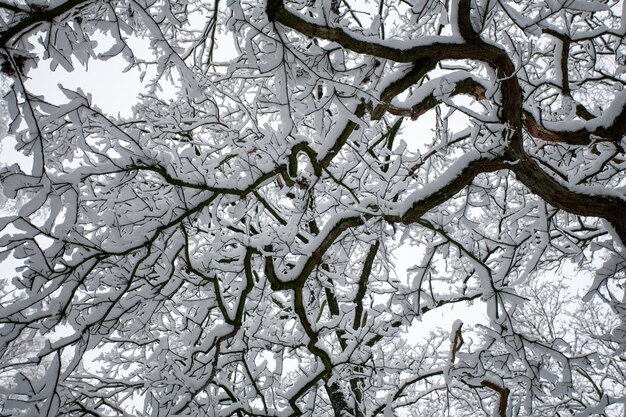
237	243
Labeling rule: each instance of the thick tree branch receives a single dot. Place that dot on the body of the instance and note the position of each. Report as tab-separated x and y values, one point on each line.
439	48
37	17
362	287
504	396
612	130
13	7
468	86
611	208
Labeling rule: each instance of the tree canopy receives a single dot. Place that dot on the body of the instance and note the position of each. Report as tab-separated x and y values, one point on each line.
232	247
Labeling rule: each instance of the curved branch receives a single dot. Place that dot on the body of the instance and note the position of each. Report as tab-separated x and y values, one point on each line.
504	395
469	86
407	384
611	126
460	175
38	17
432	50
611	208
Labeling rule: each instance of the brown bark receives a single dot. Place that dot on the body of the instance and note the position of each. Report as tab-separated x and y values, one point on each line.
526	170
504	396
611	208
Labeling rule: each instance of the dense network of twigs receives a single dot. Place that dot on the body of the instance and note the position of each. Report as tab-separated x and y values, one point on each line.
231	248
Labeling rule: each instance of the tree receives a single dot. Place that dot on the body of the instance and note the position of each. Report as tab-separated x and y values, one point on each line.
229	248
